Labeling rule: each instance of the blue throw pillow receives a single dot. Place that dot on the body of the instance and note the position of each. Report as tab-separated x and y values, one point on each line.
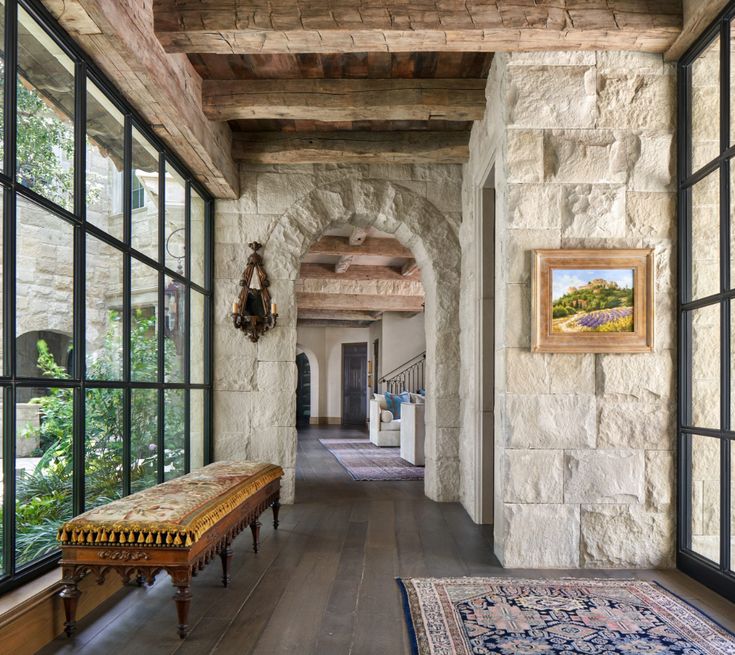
403	397
390	402
422	392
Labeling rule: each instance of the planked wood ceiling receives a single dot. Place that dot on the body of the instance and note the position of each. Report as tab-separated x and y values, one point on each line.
377	105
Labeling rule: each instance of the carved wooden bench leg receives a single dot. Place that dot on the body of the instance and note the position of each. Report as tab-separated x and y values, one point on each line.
70	593
226	557
182	581
255	528
276	506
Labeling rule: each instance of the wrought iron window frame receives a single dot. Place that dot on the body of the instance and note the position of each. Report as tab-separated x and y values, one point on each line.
718	576
10	575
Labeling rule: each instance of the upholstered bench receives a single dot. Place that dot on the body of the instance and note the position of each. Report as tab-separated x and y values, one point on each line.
177	527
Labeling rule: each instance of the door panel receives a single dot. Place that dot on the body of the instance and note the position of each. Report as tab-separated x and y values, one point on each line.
354	383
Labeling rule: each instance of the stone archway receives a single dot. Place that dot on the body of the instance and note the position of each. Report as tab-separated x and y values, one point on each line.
422	228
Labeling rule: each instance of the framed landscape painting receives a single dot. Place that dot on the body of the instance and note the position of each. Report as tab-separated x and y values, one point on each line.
596	301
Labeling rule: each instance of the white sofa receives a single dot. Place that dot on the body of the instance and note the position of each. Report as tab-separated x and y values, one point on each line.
413	433
383	433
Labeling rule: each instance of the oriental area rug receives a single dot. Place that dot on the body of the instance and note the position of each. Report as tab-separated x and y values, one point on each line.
363	460
479	616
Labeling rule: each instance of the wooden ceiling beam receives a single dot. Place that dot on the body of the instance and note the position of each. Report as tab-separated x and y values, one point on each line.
164	88
399	147
345	99
343	315
371	247
696	20
328	322
354	272
359	302
330	26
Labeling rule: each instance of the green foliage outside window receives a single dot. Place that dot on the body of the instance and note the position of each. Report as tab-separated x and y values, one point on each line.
44	494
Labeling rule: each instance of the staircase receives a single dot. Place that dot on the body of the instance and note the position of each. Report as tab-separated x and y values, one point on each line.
409	376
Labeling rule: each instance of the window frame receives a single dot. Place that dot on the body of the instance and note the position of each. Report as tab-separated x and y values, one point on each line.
10	575
718	576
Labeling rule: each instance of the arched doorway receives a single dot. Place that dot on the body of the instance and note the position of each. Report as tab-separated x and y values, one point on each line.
432	238
303	390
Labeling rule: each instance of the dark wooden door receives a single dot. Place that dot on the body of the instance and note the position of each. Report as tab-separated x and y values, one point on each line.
354	383
303	390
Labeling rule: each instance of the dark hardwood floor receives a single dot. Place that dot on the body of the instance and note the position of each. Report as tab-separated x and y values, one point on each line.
324	583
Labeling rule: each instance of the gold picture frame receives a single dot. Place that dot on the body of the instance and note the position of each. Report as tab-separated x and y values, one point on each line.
592	301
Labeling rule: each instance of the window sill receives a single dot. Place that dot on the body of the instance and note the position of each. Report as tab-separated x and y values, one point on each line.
20	600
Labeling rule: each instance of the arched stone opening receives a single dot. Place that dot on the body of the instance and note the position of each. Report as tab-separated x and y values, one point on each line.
431	236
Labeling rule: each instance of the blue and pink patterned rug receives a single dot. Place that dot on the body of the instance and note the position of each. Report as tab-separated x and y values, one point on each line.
479	616
363	460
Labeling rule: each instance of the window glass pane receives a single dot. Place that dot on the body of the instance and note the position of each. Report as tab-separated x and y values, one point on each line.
103	446
43	470
198	239
104	310
175	220
45	139
705	126
143	322
2	223
196	366
705	497
173	433
2	480
706	367
196	428
44	320
706	236
143	439
2	114
175	329
732	505
105	154
144	198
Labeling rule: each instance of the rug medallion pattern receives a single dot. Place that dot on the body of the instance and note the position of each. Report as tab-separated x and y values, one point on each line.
479	616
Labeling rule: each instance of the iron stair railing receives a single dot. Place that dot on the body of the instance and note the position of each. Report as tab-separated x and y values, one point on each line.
409	376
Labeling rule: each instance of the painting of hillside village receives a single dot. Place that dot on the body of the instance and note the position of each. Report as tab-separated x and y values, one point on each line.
592	300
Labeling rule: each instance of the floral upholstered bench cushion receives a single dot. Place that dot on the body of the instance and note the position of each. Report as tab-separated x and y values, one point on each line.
172	514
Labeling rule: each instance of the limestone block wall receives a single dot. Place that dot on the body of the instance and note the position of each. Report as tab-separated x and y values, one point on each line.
583	150
286	208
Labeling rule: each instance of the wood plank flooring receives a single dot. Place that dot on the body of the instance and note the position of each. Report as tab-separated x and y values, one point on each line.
324	583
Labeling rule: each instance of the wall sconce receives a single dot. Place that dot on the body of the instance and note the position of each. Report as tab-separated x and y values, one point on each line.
253	312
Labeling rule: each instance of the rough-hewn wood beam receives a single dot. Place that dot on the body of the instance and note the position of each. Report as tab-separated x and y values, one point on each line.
355	272
410	268
698	14
345	99
328	322
262	26
358	236
371	247
343	264
165	89
409	147
359	302
318	314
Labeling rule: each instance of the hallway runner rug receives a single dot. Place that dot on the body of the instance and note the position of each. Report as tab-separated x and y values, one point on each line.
467	616
363	460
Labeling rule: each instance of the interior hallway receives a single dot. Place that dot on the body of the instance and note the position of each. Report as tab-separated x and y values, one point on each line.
324	583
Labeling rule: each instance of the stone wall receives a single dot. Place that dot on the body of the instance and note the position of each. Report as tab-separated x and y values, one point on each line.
583	150
287	209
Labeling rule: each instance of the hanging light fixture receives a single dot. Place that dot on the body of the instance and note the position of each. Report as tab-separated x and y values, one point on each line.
254	312
173	320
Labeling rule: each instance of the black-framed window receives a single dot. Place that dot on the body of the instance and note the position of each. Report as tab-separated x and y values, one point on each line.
105	382
706	452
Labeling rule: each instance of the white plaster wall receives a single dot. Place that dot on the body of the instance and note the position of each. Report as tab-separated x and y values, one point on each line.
583	146
287	208
403	339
